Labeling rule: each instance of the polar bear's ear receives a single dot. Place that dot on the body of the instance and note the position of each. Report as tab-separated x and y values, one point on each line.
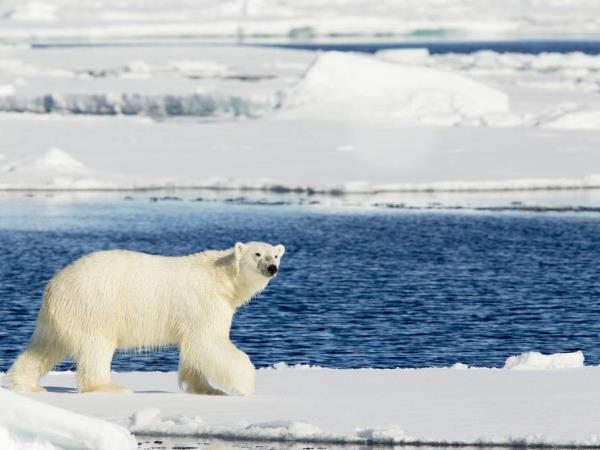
280	249
239	248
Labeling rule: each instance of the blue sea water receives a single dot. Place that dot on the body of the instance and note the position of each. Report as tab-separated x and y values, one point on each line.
445	45
440	44
357	287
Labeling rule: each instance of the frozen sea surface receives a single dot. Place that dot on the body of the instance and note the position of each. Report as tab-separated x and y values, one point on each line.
358	287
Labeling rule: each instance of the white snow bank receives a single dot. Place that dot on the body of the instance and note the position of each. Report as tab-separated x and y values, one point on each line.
31	425
538	361
342	85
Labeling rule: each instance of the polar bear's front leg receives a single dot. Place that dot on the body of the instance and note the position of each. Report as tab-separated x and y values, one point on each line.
221	363
93	368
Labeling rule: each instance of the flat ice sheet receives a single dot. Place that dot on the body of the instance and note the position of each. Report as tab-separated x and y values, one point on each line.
495	406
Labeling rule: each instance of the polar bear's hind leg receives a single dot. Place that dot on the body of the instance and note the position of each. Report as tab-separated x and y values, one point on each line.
39	357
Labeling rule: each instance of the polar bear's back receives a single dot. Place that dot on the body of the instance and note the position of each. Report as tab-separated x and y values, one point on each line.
129	298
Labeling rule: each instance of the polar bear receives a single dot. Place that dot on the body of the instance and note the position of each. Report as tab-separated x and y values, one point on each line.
122	299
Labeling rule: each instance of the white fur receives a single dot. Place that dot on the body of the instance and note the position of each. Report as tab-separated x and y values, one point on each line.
128	300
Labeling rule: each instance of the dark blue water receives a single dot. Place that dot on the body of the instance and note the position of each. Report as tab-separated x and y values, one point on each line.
356	289
441	46
589	45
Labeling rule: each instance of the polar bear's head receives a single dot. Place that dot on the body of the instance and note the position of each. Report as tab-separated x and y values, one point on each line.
259	258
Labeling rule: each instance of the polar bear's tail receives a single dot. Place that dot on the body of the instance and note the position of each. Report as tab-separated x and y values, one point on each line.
37	359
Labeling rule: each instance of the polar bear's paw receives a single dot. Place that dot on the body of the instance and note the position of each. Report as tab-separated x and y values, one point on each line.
112	388
239	386
203	390
243	388
38	388
21	388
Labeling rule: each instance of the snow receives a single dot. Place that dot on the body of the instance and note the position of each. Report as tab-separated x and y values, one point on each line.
429	406
578	120
33	11
375	89
52	160
538	361
129	153
27	424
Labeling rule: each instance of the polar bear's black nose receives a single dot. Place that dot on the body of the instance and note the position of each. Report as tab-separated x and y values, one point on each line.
272	269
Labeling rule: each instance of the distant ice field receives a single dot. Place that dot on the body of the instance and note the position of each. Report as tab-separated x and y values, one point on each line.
228	117
358	287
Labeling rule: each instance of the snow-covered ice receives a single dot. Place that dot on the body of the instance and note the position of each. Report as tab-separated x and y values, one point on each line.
220	83
426	406
454	123
27	424
26	20
223	82
135	153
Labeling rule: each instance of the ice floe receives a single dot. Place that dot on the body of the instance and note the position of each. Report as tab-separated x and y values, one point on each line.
539	361
342	85
428	406
27	424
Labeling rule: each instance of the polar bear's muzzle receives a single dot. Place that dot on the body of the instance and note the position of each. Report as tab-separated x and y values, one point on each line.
272	269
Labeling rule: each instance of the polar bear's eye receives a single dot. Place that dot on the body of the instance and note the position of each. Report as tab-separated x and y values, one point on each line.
257	254
276	256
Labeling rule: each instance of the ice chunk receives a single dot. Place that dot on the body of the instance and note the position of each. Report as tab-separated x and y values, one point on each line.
539	361
341	85
28	424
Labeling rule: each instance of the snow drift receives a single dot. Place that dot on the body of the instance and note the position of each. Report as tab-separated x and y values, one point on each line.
28	424
346	85
53	161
